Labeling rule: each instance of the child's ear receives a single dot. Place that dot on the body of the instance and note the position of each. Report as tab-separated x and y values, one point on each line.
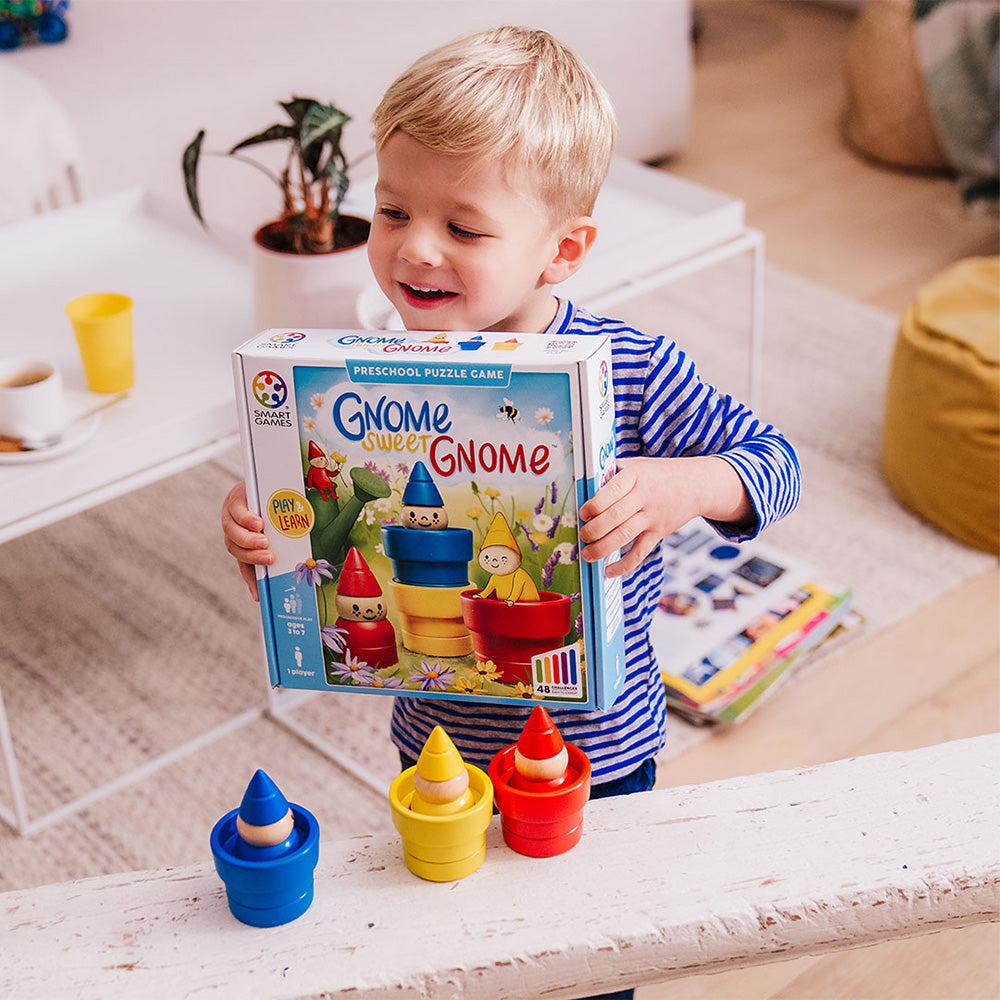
572	249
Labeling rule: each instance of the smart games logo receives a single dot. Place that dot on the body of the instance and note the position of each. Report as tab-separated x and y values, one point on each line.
281	341
603	382
271	393
269	389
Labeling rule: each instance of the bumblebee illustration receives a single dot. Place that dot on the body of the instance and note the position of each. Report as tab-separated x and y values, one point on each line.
508	409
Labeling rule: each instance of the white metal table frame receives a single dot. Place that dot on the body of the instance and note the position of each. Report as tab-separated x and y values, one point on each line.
278	705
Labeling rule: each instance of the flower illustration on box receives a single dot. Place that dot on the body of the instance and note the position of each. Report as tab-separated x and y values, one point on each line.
352	670
333	638
313	571
387	683
432	676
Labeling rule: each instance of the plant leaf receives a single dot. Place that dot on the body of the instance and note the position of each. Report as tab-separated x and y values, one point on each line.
189	164
297	108
322	121
340	182
270	134
312	157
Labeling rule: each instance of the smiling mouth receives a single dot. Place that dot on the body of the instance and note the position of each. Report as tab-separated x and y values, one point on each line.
422	296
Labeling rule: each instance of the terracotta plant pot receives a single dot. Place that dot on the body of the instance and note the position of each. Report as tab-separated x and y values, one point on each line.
511	635
309	290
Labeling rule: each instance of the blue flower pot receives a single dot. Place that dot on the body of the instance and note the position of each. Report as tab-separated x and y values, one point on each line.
434	558
267	886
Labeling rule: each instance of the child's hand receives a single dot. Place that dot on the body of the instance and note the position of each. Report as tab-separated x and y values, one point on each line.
244	533
650	498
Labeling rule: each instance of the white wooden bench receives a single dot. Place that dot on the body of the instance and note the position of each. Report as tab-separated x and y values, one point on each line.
694	879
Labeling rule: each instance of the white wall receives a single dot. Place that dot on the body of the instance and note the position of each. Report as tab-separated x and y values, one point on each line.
140	77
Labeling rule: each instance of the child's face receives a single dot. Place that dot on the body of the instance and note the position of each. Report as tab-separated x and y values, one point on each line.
491	251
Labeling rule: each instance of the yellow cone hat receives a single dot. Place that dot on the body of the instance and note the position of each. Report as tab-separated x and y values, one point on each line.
499	534
439	760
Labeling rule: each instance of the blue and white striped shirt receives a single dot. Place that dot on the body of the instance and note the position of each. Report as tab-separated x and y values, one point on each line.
663	409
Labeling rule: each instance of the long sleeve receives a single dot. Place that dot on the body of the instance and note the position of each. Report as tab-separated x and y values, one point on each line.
682	416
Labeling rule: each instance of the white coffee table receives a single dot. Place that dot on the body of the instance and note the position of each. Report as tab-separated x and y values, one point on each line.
193	306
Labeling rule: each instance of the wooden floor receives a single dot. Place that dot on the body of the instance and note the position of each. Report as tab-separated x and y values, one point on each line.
768	95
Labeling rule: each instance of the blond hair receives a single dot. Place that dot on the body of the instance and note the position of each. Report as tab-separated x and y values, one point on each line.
516	95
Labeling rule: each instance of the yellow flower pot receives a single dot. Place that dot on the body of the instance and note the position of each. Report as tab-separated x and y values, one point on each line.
442	848
432	619
438	645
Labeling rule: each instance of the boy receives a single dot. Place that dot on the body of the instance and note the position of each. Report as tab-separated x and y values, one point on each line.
491	152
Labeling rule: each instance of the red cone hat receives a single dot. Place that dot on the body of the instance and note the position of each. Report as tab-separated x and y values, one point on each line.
315	451
356	579
540	739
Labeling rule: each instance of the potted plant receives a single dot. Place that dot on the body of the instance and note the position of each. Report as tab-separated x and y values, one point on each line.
309	264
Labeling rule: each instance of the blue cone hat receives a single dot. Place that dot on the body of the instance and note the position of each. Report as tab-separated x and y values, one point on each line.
263	803
420	489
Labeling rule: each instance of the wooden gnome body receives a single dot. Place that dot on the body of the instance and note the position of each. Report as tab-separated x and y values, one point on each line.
541	786
441	807
362	608
265	853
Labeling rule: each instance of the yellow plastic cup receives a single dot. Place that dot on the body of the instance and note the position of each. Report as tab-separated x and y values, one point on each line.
102	323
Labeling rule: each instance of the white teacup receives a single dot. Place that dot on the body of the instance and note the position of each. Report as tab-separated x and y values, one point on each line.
32	402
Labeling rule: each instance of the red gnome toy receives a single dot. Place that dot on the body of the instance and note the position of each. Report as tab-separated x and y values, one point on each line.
541	758
541	785
318	478
362	608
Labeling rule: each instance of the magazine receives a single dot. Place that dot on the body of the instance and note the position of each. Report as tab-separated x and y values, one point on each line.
734	620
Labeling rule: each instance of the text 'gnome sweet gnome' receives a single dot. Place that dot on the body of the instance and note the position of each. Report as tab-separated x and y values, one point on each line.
420	492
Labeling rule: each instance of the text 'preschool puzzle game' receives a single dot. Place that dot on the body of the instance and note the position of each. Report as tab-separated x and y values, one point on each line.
420	491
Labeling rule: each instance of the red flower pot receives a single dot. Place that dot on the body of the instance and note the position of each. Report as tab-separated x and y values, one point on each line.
511	635
541	824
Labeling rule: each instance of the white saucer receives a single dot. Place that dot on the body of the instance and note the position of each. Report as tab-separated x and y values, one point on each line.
77	434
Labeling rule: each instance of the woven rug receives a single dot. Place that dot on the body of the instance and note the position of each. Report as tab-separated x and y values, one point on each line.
125	630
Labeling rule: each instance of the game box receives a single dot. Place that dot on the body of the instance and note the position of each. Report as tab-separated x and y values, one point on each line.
421	491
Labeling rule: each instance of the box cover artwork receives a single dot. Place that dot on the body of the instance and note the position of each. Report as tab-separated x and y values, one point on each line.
421	493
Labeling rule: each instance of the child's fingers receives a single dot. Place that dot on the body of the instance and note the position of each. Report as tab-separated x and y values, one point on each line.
235	505
250	579
601	525
610	493
632	559
616	539
256	557
240	536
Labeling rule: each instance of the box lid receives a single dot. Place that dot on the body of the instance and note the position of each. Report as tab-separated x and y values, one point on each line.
339	345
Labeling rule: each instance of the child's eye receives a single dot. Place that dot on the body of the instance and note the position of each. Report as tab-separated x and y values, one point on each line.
396	216
464	234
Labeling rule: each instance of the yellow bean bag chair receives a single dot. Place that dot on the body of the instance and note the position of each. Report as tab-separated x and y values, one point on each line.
941	446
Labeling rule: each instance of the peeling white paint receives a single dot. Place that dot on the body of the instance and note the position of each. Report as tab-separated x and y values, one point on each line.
697	879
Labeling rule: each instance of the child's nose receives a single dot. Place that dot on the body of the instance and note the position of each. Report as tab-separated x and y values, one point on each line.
420	247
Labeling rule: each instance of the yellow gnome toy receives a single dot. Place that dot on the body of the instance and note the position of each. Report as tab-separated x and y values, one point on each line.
500	556
442	808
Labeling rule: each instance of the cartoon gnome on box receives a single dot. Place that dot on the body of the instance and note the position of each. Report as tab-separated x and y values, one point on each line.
423	507
362	610
500	556
318	477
